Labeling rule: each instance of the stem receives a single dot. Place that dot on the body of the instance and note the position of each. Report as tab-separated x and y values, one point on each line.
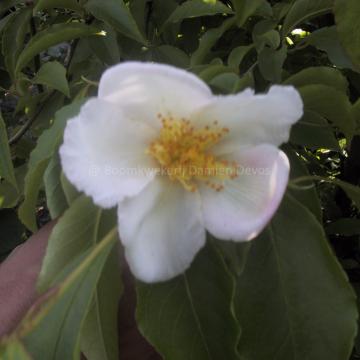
13	140
309	178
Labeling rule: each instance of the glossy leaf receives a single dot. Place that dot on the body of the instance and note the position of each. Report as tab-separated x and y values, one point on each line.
237	55
74	233
53	75
106	47
327	39
51	330
302	10
271	63
62	4
314	132
208	40
331	104
6	165
39	159
51	36
99	335
14	38
197	8
319	75
288	291
55	197
171	55
181	322
245	8
346	17
116	14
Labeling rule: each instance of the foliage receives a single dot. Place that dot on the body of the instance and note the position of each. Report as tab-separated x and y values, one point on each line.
286	295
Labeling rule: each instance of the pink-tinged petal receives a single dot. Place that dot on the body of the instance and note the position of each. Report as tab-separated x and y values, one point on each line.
102	151
247	203
144	90
161	230
253	119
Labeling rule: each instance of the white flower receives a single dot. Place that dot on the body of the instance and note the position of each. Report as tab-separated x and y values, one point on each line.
177	161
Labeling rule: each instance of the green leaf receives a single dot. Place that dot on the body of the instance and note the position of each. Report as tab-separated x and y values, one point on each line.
51	330
74	233
346	18
106	47
245	8
55	197
69	190
14	37
346	227
307	196
33	182
116	14
314	132
208	40
53	35
211	71
264	34
6	165
39	159
228	83
53	75
13	350
321	75
171	55
198	8
61	4
327	39
181	321
303	10
287	295
271	63
99	335
237	55
9	195
330	104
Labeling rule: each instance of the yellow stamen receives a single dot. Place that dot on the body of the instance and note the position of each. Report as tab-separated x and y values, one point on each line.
183	153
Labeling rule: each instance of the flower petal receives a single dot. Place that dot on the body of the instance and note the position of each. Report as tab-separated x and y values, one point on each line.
246	204
102	150
253	119
144	90
161	230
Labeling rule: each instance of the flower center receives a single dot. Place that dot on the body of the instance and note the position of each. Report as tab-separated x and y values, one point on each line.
183	154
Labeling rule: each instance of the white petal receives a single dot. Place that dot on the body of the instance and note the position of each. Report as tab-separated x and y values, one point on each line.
161	230
102	150
253	119
147	89
243	208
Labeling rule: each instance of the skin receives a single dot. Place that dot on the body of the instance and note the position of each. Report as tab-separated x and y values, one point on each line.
18	274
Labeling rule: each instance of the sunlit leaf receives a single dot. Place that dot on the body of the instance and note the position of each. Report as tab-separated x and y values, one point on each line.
302	10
